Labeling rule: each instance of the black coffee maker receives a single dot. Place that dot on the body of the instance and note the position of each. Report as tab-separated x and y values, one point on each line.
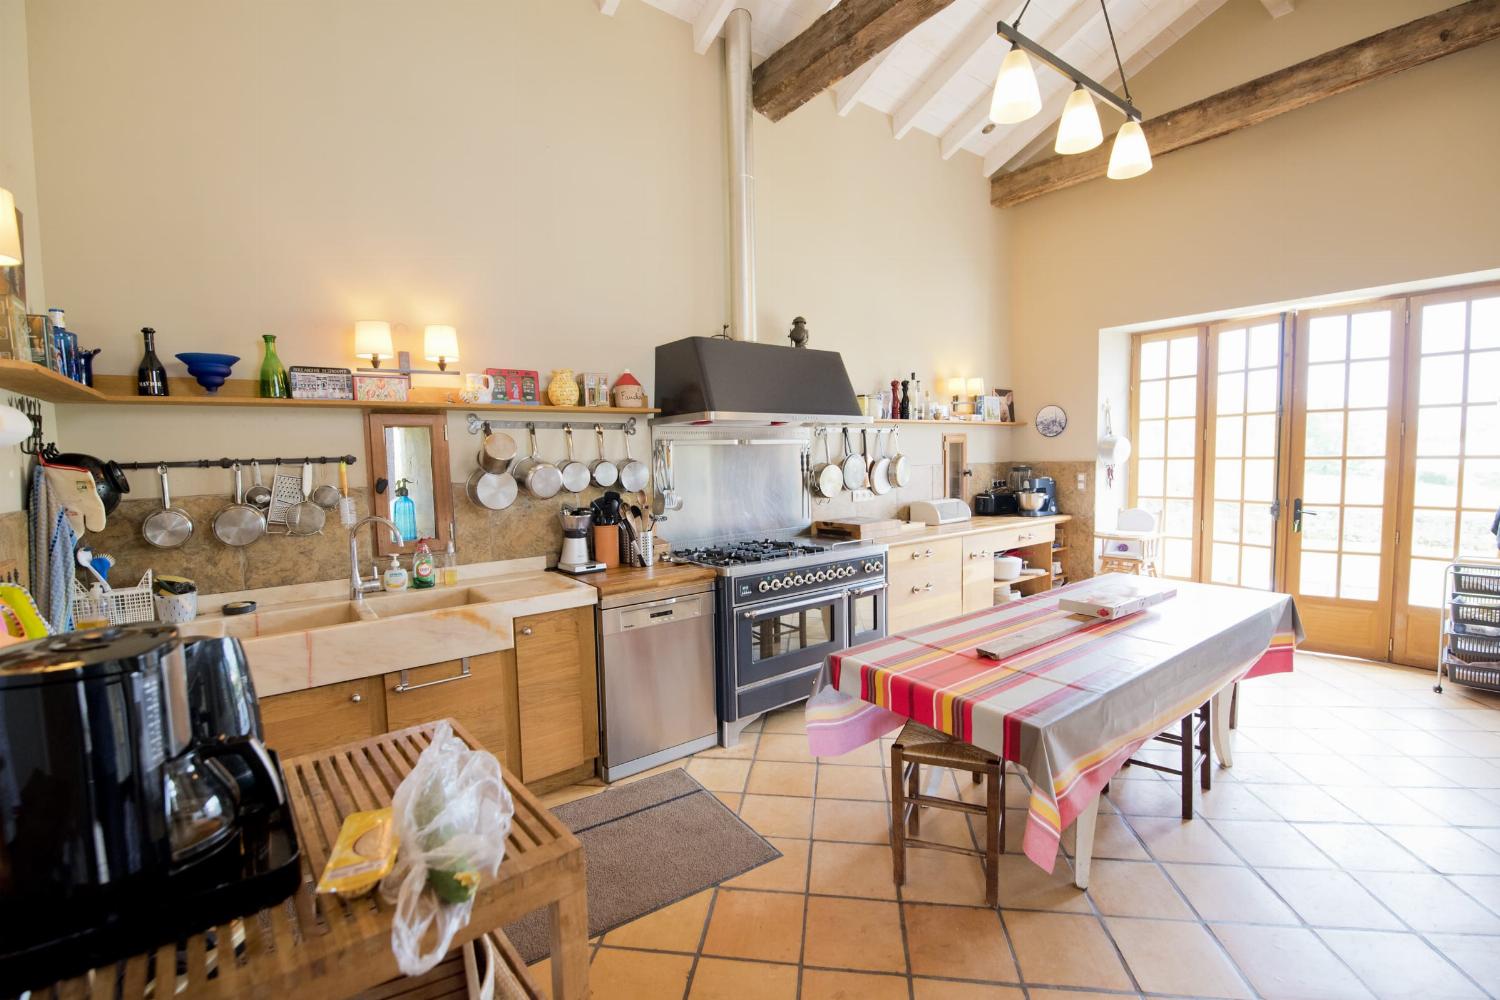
137	801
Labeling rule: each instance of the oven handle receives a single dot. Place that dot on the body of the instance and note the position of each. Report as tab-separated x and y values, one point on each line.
777	609
868	589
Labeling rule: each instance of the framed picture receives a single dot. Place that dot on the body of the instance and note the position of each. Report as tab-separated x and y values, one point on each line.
1005	406
516	386
1051	421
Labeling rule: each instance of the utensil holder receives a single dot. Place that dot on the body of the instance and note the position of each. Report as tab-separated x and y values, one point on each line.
607	544
645	547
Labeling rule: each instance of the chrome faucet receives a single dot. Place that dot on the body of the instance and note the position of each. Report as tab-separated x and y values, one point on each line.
358	585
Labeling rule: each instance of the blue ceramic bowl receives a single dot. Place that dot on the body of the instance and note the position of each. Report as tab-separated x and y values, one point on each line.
209	369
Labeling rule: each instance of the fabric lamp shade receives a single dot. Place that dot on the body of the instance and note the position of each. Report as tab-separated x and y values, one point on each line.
372	339
10	231
976	387
1016	96
1079	130
1130	156
440	343
956	386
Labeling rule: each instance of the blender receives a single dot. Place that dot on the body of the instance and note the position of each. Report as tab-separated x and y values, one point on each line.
574	557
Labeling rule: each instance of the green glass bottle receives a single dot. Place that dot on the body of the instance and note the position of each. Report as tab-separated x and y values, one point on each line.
273	380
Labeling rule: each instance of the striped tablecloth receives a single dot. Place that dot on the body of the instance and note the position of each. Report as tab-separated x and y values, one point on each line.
1070	710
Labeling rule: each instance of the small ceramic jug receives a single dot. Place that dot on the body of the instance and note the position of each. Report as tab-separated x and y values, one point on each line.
563	389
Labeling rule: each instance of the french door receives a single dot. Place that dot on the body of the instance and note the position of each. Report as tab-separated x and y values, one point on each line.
1343	475
1167	409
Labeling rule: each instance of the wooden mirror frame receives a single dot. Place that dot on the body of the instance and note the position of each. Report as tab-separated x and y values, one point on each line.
442	488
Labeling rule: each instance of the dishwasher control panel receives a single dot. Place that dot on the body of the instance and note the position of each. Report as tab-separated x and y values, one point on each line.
801	580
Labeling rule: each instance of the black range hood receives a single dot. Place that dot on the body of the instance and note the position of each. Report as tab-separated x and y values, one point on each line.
711	380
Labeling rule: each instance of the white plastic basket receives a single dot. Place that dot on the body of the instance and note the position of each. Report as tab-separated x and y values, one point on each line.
122	606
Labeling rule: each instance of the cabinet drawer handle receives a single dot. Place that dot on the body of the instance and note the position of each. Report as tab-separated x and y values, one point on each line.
979	555
526	630
357	698
922	590
405	685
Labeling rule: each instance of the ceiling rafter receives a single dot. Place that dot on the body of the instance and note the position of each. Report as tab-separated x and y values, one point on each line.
977	36
851	90
710	22
608	7
1278	8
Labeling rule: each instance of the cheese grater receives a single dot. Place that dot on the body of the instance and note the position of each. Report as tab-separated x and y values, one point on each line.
286	490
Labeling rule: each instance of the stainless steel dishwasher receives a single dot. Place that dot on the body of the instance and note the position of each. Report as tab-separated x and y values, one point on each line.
656	670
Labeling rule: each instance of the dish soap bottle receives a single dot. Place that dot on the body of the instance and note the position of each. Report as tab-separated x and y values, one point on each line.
273	380
395	576
404	511
423	573
448	569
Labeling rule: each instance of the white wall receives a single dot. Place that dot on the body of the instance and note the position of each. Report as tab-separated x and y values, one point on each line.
550	181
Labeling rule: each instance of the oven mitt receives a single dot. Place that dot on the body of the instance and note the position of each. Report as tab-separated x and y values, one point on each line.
77	491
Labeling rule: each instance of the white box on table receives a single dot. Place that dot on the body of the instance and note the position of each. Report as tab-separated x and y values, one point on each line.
1117	595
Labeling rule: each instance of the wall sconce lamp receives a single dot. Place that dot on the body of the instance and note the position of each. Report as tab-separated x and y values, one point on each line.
440	344
372	340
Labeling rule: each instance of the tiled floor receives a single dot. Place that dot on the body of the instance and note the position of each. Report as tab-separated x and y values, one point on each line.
1348	853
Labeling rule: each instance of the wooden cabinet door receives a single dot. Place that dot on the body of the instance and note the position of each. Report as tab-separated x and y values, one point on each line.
302	722
557	691
483	701
926	583
979	569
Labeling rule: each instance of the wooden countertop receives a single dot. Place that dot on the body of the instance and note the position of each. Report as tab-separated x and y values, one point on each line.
622	580
975	526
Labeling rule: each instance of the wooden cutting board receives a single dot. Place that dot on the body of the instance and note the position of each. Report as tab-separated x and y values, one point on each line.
857	527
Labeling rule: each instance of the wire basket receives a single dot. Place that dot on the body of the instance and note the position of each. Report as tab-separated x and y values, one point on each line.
1475	648
1481	580
122	606
1476	611
1473	674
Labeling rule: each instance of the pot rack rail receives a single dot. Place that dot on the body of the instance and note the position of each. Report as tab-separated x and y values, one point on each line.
478	425
229	463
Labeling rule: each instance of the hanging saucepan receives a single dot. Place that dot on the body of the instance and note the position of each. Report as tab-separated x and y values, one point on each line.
169	527
853	466
491	490
109	478
880	470
575	475
633	474
605	472
259	494
828	478
541	479
900	468
240	523
497	451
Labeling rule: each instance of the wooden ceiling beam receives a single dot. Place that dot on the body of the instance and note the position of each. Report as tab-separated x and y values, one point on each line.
1412	44
832	47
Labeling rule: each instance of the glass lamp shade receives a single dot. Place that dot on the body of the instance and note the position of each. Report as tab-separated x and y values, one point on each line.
440	343
1016	96
1130	156
372	339
1079	130
10	231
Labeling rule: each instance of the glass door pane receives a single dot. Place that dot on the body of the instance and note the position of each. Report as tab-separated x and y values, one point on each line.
1345	430
1167	418
1453	451
1244	429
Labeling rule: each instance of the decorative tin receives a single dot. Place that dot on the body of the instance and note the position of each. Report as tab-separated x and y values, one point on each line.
393	388
628	391
516	386
321	383
595	387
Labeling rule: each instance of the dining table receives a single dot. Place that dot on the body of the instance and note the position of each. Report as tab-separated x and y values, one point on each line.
1070	699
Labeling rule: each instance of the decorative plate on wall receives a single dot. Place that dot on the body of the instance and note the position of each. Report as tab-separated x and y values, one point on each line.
1051	421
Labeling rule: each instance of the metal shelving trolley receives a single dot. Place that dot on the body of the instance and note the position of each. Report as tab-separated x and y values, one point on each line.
1469	647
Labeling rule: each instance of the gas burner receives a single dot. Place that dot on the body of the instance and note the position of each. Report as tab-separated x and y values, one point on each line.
744	552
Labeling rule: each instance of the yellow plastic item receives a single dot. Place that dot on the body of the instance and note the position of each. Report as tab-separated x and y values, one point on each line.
364	852
18	600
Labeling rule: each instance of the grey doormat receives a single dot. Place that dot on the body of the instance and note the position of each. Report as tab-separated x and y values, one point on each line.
647	845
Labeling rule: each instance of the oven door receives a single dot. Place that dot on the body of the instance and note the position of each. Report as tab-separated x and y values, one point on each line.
867	620
781	637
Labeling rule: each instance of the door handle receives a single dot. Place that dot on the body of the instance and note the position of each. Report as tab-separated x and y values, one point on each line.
1298	513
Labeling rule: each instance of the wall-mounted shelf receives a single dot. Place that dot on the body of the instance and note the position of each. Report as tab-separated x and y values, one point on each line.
28	379
959	423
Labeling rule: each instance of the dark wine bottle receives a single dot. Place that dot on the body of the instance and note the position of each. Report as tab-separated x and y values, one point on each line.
905	399
150	377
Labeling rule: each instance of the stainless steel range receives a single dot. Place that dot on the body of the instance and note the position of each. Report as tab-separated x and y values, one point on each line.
783	606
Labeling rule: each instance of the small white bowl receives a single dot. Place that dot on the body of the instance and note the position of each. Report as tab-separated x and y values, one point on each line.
1007	568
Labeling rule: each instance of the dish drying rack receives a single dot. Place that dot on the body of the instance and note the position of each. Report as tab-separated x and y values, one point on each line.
1469	645
122	605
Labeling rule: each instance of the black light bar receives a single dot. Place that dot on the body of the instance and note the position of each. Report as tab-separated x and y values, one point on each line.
1019	40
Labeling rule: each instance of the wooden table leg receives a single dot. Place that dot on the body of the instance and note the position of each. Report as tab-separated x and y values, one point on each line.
1219	723
569	920
1083	843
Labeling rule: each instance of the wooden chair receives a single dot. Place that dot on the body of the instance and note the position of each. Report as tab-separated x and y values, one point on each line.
918	745
1195	728
1134	546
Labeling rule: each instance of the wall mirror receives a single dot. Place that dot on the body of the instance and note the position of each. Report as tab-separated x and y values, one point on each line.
409	478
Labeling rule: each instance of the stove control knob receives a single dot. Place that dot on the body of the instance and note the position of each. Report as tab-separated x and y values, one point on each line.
788	582
799	580
850	570
764	586
776	584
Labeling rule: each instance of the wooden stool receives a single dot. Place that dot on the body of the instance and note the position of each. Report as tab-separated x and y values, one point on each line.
918	745
1197	725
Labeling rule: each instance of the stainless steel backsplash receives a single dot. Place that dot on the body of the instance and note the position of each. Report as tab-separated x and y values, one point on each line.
735	482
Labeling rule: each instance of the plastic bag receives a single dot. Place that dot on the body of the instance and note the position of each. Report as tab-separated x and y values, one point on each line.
453	813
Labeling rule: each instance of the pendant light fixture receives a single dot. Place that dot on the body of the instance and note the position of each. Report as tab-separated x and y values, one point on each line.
1017	98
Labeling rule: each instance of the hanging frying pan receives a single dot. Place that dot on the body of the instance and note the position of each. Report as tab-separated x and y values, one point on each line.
240	523
169	527
880	470
853	466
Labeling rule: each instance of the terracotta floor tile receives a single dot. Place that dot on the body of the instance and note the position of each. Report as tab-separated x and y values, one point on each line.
1477	956
1173	839
1037	994
678	927
869	755
743	750
1064	949
759	925
1304	803
1429	902
1171	957
1449	850
784	746
824	984
848	819
1135	889
787	873
638	975
1329	899
1485	888
719	774
1458	806
958	942
777	815
725	979
942	877
731	800
1276	843
1382	805
862	934
769	777
838	781
1231	800
1361	847
1289	962
786	720
852	870
1146	798
1113	838
1399	965
1024	886
937	989
1219	892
